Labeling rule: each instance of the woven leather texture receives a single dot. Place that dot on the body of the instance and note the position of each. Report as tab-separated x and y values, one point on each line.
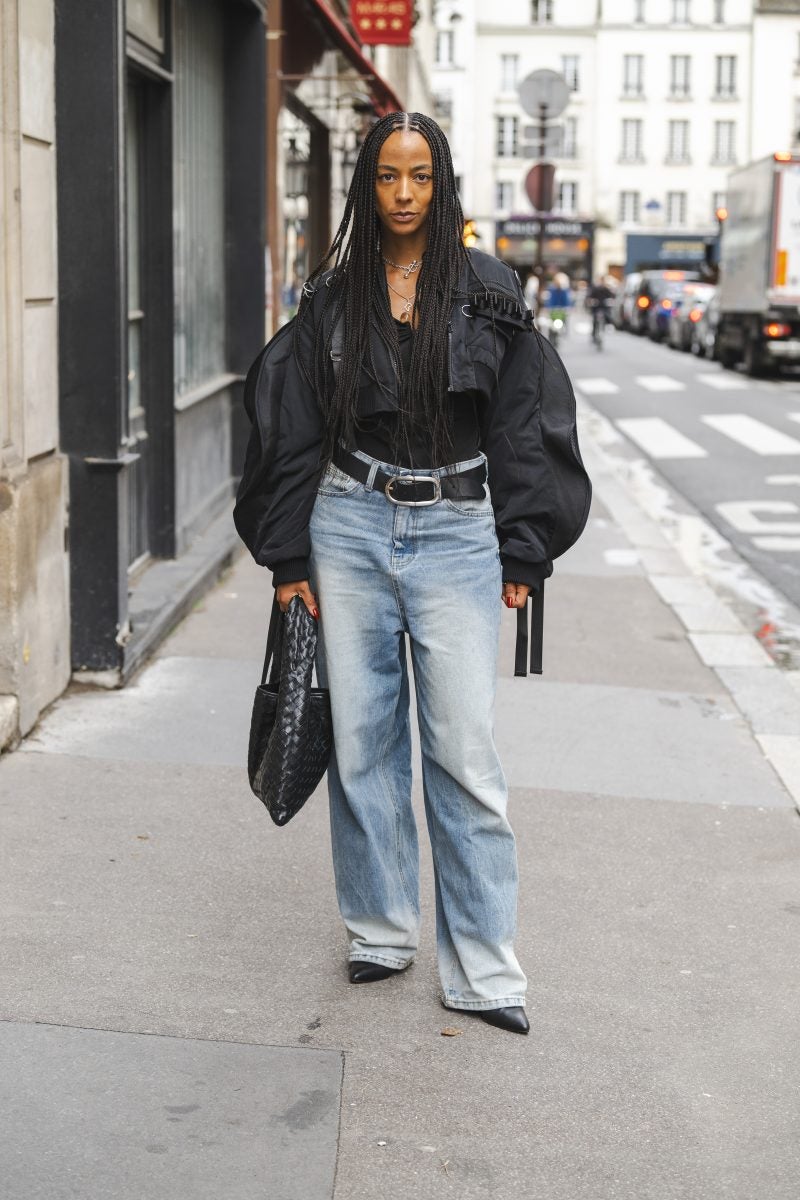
291	732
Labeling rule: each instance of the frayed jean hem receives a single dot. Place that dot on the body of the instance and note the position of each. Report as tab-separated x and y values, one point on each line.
398	963
483	1005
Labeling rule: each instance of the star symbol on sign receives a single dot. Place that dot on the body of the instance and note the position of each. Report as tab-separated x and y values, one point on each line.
381	23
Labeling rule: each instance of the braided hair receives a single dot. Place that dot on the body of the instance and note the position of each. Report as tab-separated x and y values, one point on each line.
356	292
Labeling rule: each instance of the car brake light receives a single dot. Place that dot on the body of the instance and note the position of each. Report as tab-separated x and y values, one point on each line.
695	314
776	329
643	302
666	304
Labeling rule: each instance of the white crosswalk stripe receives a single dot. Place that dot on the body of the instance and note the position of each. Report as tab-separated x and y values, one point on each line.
660	383
794	417
659	439
755	435
596	387
723	381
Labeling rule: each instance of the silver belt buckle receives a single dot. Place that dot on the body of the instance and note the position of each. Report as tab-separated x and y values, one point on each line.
433	479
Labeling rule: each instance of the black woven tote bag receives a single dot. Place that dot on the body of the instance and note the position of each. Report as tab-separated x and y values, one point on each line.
291	733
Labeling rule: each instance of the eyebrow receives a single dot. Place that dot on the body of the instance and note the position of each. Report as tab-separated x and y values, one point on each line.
389	167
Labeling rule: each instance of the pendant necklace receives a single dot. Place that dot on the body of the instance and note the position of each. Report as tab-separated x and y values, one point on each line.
407	269
408	301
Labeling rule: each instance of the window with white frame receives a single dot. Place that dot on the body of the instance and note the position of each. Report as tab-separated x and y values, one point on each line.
570	69
676	209
567	201
679	76
541	12
725	77
503	195
631	144
638	12
680	12
445	39
719	12
509	72
569	137
678	141
718	200
724	142
633	75
629	207
506	136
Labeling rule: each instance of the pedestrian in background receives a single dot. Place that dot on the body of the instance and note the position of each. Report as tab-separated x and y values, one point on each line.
413	371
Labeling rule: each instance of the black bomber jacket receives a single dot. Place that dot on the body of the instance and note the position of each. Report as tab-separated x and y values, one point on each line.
494	358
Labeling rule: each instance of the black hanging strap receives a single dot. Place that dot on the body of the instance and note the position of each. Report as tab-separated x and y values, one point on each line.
536	637
275	630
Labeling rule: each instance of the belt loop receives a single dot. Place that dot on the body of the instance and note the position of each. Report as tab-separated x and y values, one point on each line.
369	485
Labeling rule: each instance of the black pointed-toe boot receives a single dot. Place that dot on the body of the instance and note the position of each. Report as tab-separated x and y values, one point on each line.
370	972
512	1019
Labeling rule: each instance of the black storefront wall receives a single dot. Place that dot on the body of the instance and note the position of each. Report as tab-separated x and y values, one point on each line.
95	61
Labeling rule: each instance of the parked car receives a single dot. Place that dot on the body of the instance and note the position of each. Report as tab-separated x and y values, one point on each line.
704	331
625	301
653	288
686	312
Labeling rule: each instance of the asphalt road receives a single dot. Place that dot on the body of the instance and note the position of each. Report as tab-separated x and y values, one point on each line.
728	443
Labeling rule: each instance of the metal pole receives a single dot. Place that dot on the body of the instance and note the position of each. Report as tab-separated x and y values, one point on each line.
538	265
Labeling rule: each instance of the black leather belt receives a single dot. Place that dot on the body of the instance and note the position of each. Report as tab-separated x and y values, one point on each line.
415	489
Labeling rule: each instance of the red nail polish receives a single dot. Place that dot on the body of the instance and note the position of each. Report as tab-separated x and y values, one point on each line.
315	613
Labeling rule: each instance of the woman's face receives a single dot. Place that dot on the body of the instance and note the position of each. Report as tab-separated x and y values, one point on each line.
404	183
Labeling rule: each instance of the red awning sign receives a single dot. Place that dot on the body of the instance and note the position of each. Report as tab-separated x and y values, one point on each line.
382	22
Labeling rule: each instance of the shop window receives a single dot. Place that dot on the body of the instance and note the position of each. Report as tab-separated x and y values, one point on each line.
146	20
199	155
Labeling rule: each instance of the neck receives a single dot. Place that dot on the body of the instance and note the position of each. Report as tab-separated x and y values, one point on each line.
403	249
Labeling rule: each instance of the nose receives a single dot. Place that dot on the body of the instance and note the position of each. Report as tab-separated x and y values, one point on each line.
403	189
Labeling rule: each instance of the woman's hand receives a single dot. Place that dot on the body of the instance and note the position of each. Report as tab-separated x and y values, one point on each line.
285	591
515	594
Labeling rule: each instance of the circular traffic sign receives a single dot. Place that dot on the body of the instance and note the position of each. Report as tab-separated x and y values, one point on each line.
543	89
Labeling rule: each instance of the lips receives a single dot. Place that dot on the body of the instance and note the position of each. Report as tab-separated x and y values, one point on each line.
403	216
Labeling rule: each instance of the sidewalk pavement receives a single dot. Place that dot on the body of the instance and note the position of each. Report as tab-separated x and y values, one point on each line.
176	1019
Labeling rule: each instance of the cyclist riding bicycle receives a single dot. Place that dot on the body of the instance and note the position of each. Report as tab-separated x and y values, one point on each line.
598	301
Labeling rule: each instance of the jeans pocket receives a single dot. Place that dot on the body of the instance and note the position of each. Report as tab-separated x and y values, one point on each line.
474	506
336	482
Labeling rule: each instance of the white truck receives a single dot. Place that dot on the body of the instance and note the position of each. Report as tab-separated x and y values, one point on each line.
759	275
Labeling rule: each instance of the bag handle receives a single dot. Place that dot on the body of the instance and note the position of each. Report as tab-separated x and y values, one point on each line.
274	643
537	634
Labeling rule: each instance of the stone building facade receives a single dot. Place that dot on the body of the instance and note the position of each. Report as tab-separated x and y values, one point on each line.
34	563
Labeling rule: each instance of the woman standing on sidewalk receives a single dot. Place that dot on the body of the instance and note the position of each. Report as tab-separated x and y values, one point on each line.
412	371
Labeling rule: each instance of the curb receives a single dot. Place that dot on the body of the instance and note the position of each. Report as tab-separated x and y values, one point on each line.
739	625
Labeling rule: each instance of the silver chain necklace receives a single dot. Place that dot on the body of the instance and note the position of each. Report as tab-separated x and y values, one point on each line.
407	269
408	302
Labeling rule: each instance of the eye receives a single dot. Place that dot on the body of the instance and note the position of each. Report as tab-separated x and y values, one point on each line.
423	178
385	175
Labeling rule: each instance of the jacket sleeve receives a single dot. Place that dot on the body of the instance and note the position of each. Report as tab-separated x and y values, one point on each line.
520	480
282	463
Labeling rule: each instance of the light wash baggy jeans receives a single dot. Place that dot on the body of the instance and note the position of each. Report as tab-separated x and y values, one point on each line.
380	571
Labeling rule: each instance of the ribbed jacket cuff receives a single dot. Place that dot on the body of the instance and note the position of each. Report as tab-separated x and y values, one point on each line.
291	570
517	571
